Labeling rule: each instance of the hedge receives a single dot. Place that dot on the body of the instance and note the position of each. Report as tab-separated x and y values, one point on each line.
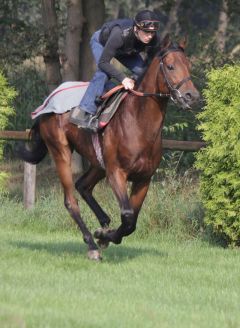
219	162
7	94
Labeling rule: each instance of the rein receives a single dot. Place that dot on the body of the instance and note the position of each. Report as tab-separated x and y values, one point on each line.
135	92
146	94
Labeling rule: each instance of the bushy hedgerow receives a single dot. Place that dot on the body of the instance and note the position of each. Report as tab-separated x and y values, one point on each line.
7	95
220	160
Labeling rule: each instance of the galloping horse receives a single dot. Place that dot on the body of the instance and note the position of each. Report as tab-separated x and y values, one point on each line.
131	145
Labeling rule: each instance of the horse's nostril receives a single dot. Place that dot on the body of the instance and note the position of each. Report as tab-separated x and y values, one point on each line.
188	96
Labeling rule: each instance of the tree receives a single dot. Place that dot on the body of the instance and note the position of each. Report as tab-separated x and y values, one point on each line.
172	19
50	55
70	58
222	26
92	23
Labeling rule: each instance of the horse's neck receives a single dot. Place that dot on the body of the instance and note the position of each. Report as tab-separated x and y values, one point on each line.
151	108
154	81
149	82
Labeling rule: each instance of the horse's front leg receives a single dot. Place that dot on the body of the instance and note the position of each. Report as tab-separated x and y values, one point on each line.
118	182
138	194
129	207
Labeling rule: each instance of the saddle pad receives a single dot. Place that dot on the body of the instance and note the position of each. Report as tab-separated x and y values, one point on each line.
69	95
66	96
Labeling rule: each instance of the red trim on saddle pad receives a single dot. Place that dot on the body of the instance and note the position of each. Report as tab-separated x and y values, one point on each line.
102	124
41	107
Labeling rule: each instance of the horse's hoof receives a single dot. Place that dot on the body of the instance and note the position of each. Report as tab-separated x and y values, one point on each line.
102	244
94	255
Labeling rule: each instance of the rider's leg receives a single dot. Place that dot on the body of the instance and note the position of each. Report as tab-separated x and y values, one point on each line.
94	90
84	113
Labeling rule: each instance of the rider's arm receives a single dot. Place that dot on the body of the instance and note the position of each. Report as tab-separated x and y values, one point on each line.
113	43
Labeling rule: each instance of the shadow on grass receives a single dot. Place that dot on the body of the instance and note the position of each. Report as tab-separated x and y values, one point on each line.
114	254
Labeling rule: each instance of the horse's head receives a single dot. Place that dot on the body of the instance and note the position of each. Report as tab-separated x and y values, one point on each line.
175	74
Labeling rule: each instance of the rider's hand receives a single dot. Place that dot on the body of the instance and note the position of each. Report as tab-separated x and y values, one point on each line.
128	83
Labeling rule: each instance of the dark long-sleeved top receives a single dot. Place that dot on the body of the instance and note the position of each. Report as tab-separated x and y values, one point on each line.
122	42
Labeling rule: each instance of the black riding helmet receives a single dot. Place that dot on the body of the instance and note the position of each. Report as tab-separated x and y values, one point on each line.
147	20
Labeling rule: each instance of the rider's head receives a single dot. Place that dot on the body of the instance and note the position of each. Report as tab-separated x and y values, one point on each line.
147	20
146	24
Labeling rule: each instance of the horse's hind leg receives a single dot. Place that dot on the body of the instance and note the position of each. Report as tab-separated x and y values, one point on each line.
62	158
85	186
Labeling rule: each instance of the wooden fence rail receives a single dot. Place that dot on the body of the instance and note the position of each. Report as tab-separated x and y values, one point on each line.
167	143
14	135
30	170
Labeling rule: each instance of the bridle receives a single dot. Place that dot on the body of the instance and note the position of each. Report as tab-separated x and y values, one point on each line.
173	89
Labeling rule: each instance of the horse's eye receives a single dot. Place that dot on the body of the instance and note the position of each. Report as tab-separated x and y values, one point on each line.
170	67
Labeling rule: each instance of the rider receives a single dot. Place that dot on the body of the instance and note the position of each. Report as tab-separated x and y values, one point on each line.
127	40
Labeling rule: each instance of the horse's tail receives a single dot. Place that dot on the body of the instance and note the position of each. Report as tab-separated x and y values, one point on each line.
34	150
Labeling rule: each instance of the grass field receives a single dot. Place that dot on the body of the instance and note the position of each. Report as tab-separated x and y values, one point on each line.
167	274
47	281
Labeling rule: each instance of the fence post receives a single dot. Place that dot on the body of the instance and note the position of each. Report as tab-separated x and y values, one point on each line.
29	186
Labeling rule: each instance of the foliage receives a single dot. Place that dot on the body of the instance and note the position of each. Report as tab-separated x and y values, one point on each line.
3	182
21	41
220	160
7	95
21	35
28	79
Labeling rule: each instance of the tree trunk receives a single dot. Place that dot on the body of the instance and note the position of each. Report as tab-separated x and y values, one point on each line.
70	59
94	14
222	26
50	55
172	19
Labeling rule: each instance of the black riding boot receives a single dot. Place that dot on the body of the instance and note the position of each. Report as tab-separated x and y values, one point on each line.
83	119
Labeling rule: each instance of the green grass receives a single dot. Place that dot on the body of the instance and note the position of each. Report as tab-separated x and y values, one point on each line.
165	275
47	281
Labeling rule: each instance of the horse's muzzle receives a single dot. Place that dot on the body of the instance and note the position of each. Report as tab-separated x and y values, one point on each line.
186	99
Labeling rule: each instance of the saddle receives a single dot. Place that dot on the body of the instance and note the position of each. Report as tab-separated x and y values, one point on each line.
108	105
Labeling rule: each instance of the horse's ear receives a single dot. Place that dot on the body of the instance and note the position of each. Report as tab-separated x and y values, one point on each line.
183	42
166	41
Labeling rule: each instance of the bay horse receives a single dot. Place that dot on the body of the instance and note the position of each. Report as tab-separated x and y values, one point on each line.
131	145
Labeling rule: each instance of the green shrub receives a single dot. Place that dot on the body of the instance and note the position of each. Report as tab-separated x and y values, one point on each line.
28	81
220	160
7	95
